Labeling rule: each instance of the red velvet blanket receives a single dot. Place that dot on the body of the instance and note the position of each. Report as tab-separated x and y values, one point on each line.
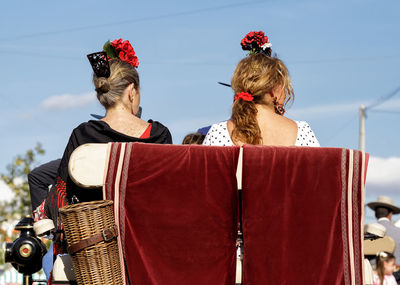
302	215
177	212
177	208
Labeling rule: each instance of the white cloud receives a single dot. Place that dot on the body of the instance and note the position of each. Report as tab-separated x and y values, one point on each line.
383	179
67	101
383	175
5	192
18	181
384	170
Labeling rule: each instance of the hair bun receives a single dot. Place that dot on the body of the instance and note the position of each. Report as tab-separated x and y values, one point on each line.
102	85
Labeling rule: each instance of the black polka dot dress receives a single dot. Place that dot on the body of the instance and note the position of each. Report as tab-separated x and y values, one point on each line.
218	135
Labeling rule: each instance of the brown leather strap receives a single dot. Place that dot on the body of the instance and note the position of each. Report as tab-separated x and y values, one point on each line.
106	235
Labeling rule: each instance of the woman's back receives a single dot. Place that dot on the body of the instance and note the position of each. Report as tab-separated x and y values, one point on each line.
117	88
302	135
276	129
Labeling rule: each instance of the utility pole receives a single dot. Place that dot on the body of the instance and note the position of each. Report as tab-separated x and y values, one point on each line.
362	128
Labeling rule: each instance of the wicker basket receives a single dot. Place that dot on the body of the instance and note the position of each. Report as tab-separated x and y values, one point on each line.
98	263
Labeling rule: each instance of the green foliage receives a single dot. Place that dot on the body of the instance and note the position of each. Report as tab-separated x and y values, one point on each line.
16	179
110	50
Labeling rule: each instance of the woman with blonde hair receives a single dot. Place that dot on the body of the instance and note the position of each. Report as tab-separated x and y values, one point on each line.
117	86
262	89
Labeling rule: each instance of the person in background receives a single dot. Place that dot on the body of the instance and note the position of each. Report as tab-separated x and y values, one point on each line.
385	265
262	88
204	130
384	209
40	179
193	138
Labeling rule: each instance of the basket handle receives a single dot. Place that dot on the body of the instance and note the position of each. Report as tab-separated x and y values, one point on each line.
106	235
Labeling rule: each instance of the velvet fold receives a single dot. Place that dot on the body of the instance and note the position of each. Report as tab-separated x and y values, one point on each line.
302	216
177	212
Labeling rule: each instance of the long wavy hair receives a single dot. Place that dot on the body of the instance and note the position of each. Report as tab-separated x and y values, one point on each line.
258	75
381	258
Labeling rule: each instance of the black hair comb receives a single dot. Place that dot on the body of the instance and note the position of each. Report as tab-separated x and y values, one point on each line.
99	63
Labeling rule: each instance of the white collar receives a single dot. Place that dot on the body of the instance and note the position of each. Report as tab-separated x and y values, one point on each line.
383	219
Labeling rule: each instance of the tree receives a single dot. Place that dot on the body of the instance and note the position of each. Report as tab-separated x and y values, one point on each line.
16	179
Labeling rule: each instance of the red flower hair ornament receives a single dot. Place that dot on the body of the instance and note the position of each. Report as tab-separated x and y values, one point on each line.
244	96
256	42
123	50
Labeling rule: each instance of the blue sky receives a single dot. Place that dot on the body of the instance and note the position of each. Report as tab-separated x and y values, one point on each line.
340	54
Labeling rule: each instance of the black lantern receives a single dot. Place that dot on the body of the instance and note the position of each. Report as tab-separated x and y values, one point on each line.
26	252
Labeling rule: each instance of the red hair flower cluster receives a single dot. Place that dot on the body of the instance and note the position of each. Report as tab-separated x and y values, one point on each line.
244	96
253	39
256	42
123	50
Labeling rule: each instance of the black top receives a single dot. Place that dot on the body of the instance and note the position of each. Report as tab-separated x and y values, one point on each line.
92	132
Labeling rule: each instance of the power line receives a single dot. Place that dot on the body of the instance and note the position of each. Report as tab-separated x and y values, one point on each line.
363	110
8	52
205	63
385	111
343	59
341	128
144	19
383	99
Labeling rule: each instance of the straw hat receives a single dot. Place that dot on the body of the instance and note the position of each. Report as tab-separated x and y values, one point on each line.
386	202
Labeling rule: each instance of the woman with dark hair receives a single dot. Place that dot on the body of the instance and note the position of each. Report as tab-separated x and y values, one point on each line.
116	82
262	89
193	138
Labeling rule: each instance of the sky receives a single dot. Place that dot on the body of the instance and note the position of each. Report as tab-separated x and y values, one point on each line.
340	54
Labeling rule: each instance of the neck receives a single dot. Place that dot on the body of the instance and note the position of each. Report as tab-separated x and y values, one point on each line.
265	110
118	112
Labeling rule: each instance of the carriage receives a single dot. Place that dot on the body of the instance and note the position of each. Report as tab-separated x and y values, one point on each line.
182	212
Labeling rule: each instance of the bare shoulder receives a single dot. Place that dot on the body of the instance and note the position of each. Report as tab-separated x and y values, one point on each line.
141	122
285	124
289	122
278	130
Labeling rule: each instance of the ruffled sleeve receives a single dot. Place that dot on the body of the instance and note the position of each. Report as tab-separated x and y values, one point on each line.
305	135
